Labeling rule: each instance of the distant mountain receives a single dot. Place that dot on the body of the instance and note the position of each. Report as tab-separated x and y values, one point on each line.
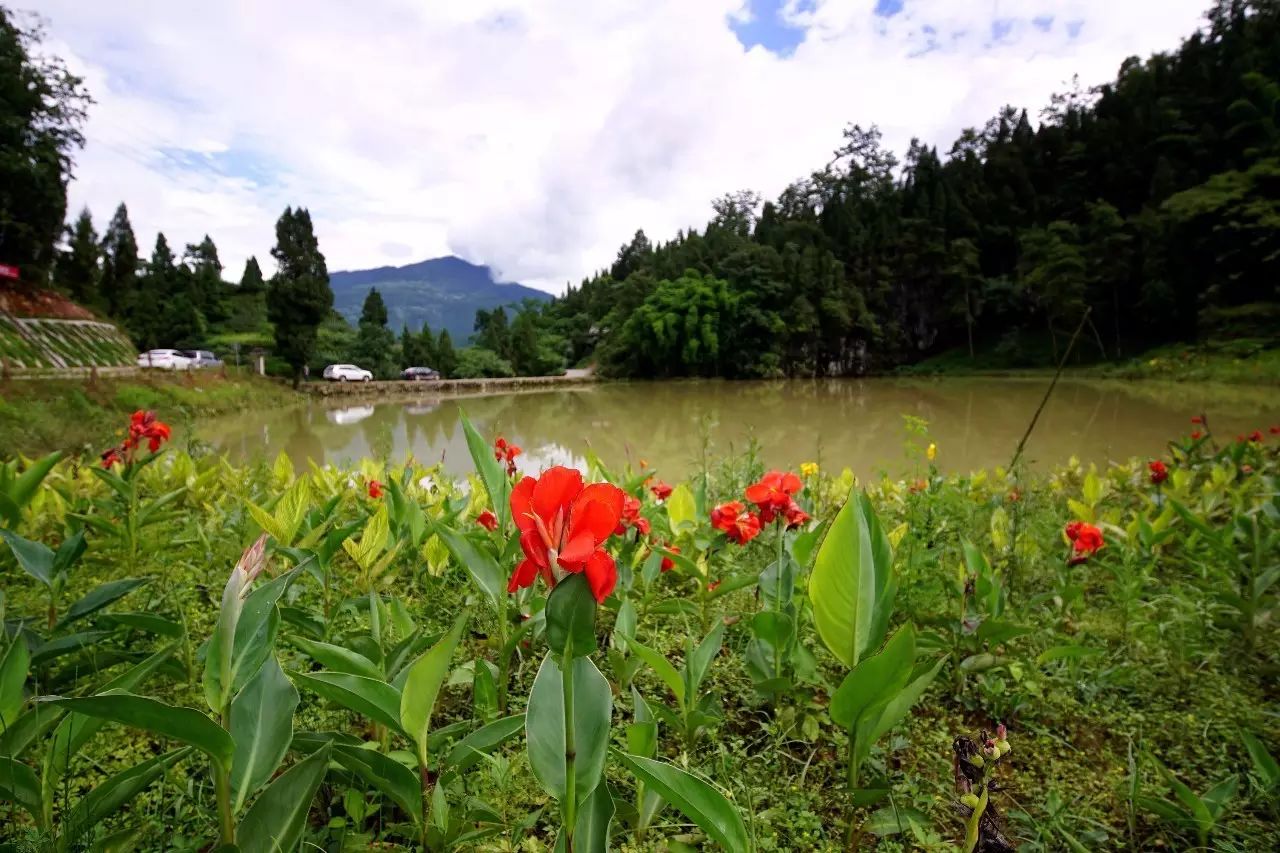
443	292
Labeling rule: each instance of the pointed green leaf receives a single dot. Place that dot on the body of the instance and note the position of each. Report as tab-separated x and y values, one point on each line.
99	597
491	472
591	829
876	679
421	688
36	558
262	727
106	799
661	667
695	799
18	784
338	658
13	677
571	617
386	774
544	726
368	697
25	484
852	582
479	563
485	739
183	724
276	820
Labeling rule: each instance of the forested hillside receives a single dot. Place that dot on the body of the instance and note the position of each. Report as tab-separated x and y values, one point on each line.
1153	202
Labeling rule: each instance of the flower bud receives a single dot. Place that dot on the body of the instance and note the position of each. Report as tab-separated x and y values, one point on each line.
970	800
1003	746
977	760
253	561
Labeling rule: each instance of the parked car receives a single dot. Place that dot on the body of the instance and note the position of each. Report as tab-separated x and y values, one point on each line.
165	359
202	358
347	373
419	374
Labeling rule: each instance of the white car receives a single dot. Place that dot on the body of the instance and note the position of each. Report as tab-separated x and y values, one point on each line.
347	373
165	359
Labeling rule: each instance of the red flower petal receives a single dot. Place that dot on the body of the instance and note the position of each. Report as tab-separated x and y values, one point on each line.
577	551
597	511
554	491
523	576
522	504
602	575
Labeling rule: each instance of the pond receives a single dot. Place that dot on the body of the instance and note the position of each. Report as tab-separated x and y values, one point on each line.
976	422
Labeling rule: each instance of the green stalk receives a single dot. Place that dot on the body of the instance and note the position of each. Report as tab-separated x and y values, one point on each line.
222	789
569	807
504	659
975	819
777	599
424	776
852	769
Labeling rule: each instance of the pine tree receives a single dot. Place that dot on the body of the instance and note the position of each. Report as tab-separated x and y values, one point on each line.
119	264
374	341
428	350
299	298
42	106
445	355
206	288
150	308
78	271
251	281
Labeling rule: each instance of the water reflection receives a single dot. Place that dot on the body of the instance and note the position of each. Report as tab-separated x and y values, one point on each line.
859	423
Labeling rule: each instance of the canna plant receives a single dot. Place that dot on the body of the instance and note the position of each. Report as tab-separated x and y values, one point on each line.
563	526
18	488
252	728
852	591
695	710
1200	813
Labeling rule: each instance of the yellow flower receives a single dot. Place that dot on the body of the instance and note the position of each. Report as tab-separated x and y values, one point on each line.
808	469
932	452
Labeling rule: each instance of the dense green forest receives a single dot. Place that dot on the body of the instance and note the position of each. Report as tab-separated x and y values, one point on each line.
1152	202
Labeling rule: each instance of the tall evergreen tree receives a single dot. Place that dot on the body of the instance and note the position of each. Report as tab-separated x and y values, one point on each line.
374	347
251	281
299	298
119	263
42	107
446	356
78	270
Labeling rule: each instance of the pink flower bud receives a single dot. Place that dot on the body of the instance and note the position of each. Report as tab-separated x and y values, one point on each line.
253	561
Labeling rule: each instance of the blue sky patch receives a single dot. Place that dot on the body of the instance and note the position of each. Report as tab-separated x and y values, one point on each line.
768	29
888	8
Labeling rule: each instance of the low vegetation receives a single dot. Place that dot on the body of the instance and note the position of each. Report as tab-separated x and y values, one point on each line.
381	656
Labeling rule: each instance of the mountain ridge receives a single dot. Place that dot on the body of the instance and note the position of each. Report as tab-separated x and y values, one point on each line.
443	292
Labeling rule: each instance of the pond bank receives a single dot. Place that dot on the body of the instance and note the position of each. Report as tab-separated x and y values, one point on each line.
442	387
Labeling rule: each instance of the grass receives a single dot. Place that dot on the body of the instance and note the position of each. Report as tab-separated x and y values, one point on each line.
83	416
1240	361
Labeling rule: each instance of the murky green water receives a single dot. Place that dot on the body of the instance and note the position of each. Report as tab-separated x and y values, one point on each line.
856	423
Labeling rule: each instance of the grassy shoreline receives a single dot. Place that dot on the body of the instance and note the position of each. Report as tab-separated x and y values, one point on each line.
82	416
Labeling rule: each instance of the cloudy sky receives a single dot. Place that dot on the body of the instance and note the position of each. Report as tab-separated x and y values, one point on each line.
535	135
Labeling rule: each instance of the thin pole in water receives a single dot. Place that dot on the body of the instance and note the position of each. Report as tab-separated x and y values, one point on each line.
1017	454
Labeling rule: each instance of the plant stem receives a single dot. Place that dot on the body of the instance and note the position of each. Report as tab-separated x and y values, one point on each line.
852	769
222	789
424	776
504	660
570	805
975	819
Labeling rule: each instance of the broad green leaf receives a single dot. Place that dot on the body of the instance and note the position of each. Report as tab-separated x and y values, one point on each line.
182	724
99	597
368	697
851	584
896	708
545	730
876	679
1065	652
13	675
682	509
892	820
76	730
18	784
1264	765
338	658
974	560
422	686
65	645
1216	797
695	799
700	660
491	471
479	563
242	638
106	799
276	820
149	622
386	774
485	739
591	829
36	558
29	727
661	667
571	617
23	487
262	727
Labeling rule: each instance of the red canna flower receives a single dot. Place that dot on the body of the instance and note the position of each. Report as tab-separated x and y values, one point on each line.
773	493
144	425
1197	419
795	516
711	587
1086	540
1257	437
375	489
562	526
667	563
918	486
661	490
487	520
111	458
1159	471
504	452
735	522
1275	430
631	517
1197	435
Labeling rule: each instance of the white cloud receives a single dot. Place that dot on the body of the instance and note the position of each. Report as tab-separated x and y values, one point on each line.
532	135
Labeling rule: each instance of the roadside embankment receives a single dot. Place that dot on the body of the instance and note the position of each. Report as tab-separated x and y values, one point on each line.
442	387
